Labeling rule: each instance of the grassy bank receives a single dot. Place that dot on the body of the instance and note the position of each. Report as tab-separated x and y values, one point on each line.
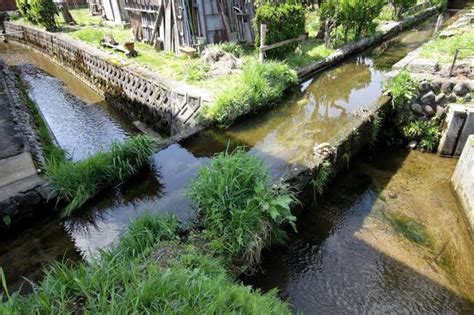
157	269
77	182
151	271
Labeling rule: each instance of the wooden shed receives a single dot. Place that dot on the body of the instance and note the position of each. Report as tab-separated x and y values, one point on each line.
174	24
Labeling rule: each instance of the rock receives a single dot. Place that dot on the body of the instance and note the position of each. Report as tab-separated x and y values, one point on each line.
424	87
440	98
461	89
427	98
412	144
445	34
436	86
429	111
392	194
417	109
451	98
440	111
446	87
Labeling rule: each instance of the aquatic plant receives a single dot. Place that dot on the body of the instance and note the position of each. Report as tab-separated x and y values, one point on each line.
77	182
375	128
261	84
320	181
134	278
239	209
411	229
402	88
427	133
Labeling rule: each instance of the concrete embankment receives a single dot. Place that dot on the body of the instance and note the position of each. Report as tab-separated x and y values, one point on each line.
463	180
23	193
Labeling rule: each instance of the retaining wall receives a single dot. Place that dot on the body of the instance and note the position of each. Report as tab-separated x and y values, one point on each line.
463	180
163	104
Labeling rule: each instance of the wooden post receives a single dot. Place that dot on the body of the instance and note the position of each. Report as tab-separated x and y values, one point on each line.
263	35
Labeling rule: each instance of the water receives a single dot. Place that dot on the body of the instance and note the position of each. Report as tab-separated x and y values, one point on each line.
282	137
346	258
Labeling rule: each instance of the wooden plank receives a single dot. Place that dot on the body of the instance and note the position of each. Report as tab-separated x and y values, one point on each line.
168	26
285	42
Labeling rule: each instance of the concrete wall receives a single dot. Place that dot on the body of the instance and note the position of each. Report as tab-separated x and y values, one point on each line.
161	103
463	179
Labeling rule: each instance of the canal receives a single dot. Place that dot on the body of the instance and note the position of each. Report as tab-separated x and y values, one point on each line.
83	124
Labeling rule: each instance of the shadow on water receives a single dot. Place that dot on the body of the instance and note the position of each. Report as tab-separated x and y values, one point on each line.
329	267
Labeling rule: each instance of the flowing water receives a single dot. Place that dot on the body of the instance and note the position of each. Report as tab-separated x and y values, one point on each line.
346	257
323	106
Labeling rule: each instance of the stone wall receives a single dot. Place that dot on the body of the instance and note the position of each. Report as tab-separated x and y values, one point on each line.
163	104
463	180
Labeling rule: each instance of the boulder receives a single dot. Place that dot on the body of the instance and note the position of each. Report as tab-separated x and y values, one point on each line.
427	98
412	144
429	111
436	86
451	98
446	87
461	89
424	87
440	98
417	109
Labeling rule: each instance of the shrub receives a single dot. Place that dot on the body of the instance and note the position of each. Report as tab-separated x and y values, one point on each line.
284	21
42	12
78	182
23	7
426	132
402	88
352	16
261	85
401	6
239	208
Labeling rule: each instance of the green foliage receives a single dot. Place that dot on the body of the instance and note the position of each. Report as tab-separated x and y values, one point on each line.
401	6
23	7
261	85
353	17
238	205
403	89
196	71
120	283
426	132
233	48
321	179
409	228
78	182
284	21
42	12
443	49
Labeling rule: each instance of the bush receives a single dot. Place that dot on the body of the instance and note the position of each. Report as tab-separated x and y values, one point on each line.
426	132
401	6
403	89
284	21
78	182
132	279
239	208
233	48
40	12
354	17
261	85
23	7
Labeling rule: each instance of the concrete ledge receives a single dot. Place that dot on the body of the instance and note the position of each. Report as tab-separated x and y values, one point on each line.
351	48
463	180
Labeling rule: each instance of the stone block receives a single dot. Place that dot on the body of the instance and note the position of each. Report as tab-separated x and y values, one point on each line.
453	124
467	130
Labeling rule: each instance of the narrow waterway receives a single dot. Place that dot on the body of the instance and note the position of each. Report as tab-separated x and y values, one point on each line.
347	258
324	106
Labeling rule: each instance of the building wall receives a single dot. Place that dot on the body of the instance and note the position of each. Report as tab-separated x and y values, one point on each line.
7	5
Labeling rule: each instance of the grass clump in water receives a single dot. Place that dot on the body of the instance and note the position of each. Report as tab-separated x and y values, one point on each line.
409	228
240	210
261	84
321	179
77	182
130	279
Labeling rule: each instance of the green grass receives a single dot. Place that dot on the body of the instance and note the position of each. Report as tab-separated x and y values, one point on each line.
136	278
409	228
82	16
77	182
310	51
259	86
239	208
443	49
320	181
